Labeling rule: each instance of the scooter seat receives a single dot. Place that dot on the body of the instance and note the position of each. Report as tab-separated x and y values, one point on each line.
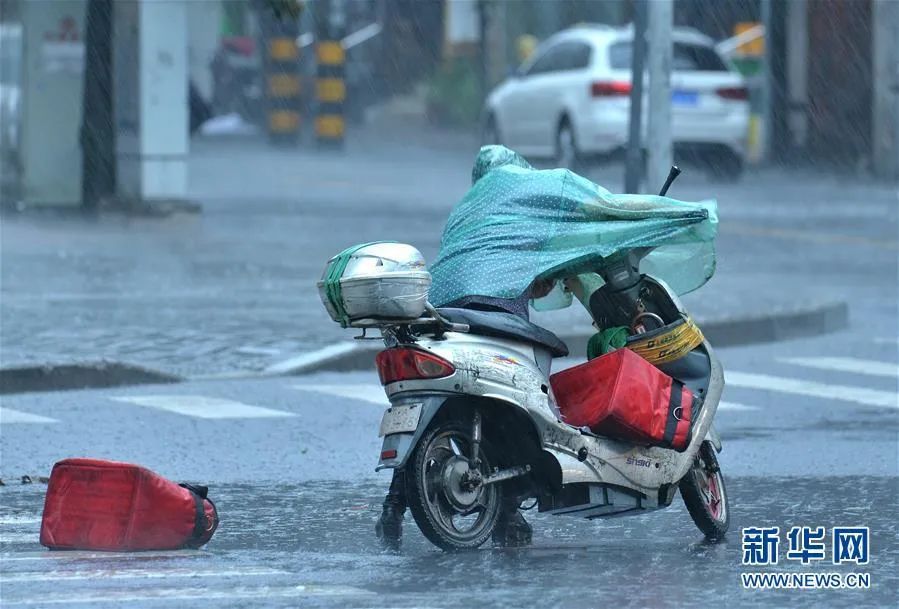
508	326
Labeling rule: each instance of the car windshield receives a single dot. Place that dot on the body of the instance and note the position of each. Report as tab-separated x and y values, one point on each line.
687	57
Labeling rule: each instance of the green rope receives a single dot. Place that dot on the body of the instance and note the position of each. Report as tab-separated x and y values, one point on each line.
335	273
606	341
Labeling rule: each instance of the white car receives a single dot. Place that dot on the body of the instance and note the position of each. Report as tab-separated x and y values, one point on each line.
571	100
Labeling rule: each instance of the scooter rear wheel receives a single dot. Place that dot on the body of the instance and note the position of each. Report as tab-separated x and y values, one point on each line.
451	515
704	494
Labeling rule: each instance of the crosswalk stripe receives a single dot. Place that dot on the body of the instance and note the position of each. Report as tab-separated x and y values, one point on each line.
846	364
8	415
203	407
308	359
859	395
735	406
363	392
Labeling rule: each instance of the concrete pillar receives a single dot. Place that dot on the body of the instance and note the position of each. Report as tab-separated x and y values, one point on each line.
885	136
797	71
765	133
497	62
659	57
151	74
52	86
549	18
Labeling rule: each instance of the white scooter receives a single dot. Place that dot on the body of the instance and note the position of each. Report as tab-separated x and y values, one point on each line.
474	426
473	423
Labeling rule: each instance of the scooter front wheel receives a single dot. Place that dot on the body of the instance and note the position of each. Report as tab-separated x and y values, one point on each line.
451	512
704	494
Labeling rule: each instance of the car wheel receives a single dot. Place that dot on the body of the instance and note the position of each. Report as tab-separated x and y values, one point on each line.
567	154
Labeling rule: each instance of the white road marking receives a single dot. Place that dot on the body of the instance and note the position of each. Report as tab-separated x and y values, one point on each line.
846	364
248	350
185	594
735	406
203	407
859	395
363	392
882	340
102	574
305	360
8	415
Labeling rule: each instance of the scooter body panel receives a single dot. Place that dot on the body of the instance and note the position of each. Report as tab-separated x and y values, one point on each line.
620	476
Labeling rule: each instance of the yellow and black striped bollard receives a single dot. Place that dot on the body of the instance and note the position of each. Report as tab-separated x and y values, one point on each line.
330	91
282	79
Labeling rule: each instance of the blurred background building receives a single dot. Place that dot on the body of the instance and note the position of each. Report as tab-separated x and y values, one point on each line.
824	77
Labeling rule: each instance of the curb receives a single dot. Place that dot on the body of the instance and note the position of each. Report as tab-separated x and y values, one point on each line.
724	332
357	355
93	375
107	207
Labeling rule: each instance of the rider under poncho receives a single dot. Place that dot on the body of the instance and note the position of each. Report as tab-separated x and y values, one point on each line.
519	229
518	224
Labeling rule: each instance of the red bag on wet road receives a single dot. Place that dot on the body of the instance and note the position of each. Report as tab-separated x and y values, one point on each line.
621	395
106	505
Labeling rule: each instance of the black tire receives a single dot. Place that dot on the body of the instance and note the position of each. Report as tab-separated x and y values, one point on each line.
698	493
568	156
490	132
426	494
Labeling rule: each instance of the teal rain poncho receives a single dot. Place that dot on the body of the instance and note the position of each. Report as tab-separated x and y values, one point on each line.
517	224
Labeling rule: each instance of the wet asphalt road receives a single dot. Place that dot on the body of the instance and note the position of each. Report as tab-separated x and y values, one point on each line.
234	288
298	497
312	545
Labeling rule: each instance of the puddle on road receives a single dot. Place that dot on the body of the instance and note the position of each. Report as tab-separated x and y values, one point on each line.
321	535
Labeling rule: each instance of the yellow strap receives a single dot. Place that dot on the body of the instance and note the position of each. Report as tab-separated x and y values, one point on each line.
671	345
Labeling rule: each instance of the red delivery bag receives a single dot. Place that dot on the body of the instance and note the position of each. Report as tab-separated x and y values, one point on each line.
621	395
106	505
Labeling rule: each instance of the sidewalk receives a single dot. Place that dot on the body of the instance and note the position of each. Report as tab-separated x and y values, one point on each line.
234	288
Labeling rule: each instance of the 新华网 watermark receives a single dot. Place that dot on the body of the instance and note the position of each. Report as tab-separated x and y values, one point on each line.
806	545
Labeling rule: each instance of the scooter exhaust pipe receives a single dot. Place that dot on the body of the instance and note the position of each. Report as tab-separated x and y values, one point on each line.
506	474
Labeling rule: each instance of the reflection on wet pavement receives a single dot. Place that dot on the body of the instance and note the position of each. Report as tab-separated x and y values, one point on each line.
316	542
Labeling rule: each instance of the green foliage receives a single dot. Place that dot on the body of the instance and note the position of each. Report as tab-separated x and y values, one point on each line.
748	66
453	93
